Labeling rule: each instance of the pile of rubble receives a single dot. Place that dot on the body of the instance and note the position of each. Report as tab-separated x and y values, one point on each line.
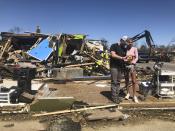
24	57
47	52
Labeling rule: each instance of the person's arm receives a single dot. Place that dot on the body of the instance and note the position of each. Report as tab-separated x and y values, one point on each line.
136	56
114	55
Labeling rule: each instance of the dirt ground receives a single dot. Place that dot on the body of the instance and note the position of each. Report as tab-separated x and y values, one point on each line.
156	120
144	121
92	93
28	125
149	125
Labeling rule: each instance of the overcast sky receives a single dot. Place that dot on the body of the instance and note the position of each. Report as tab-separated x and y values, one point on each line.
109	19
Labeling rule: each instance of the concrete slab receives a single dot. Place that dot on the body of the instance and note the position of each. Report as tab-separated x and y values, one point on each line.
90	93
67	73
36	85
50	104
8	83
14	108
105	114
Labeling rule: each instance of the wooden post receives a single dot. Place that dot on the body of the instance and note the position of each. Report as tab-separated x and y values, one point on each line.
4	48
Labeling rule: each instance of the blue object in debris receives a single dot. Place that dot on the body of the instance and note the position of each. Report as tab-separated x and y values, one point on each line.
41	51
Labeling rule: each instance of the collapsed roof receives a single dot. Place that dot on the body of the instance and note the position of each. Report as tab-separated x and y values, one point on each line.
22	41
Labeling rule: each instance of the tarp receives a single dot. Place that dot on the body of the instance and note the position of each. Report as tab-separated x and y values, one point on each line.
41	51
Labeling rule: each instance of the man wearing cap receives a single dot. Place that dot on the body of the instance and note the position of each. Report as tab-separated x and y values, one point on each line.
117	66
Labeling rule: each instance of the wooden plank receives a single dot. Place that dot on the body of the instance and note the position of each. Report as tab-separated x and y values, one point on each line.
78	65
9	48
36	43
4	48
75	110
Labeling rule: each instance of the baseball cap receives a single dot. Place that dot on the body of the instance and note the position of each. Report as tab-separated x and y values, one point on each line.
125	37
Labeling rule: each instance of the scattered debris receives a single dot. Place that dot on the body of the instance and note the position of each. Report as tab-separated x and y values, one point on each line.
64	124
9	125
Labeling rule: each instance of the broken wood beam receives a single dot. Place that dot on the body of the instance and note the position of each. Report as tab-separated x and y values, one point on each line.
78	65
41	69
9	48
91	56
75	110
4	48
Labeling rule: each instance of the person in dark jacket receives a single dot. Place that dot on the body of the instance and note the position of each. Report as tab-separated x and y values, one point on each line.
117	66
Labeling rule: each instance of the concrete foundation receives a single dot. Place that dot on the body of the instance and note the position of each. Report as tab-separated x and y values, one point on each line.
67	73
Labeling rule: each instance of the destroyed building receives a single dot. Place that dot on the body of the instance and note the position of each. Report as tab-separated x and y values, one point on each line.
48	52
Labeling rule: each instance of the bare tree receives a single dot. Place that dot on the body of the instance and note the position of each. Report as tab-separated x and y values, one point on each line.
15	29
